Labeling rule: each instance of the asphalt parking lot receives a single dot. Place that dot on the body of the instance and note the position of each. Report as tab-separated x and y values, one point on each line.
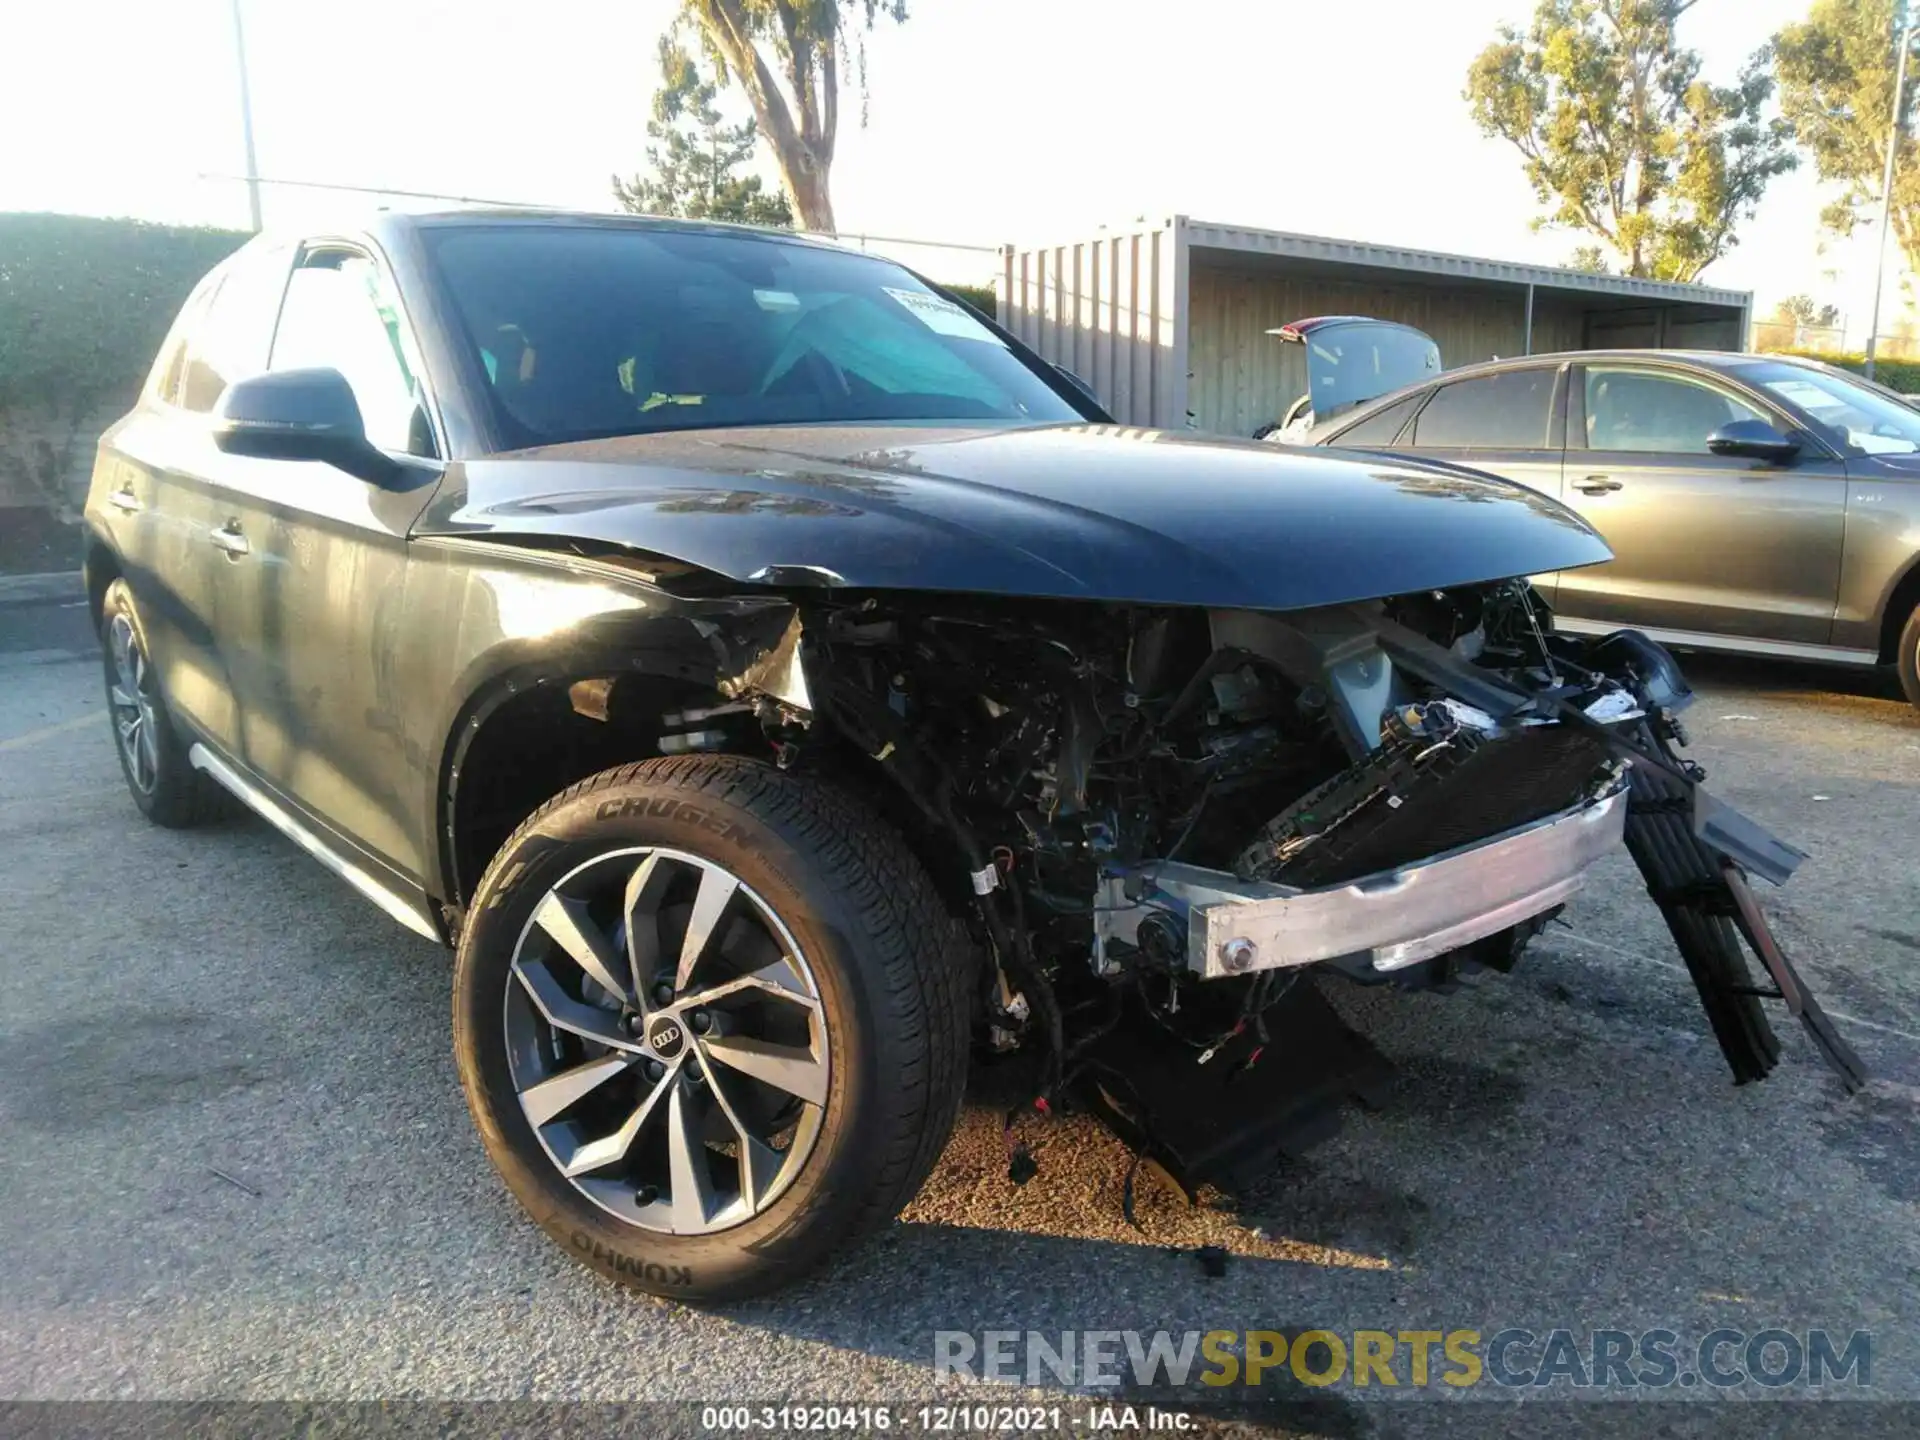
237	1162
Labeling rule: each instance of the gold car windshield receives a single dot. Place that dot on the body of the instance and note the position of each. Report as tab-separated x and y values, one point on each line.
1855	416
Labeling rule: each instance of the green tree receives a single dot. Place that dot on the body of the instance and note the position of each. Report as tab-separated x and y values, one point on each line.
1837	71
1802	311
1590	258
696	155
1623	139
787	56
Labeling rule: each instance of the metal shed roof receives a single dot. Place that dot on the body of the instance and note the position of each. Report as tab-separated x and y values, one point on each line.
1321	249
1155	315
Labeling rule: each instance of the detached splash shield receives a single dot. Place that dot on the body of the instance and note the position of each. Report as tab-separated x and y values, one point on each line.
1617	701
1694	850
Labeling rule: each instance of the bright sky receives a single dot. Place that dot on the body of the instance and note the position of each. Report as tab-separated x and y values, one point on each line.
989	120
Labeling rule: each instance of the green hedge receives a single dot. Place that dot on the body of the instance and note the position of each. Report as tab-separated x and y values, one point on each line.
84	304
1901	375
978	296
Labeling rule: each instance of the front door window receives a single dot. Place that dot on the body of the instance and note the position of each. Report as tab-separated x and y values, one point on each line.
1638	411
340	315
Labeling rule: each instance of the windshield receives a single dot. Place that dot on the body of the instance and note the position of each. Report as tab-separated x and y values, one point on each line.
588	331
1850	414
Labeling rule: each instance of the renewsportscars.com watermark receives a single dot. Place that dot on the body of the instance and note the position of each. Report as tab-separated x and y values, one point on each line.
1511	1358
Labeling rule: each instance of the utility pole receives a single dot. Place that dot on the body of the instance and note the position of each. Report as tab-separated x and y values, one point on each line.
246	123
1886	181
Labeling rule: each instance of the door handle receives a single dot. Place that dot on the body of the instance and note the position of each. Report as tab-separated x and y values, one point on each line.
1596	485
125	501
229	539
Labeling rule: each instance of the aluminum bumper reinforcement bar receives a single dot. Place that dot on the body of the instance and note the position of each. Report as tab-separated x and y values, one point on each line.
1391	919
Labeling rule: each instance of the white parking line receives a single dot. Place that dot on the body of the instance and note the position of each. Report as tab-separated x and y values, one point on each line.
1674	965
47	732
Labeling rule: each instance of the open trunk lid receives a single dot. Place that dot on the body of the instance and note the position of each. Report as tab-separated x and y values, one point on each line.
1350	360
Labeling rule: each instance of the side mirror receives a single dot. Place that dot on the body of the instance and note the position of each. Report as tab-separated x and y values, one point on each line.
1753	439
299	415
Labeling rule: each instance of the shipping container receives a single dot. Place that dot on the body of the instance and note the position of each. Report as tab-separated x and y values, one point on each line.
1168	322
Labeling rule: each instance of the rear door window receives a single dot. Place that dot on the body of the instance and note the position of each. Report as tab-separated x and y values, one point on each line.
229	341
1380	427
163	383
1512	410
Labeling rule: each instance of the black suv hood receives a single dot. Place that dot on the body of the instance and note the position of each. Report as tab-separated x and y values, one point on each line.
1072	512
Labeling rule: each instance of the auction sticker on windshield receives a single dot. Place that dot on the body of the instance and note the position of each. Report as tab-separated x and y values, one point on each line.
1807	395
943	317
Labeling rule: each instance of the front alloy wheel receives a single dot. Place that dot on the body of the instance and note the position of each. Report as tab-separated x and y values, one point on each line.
711	1020
665	1039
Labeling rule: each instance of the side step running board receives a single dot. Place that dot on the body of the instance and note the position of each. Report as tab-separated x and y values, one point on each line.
276	815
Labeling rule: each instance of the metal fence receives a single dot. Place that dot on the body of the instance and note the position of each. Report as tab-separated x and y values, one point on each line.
1776	335
1902	345
1786	335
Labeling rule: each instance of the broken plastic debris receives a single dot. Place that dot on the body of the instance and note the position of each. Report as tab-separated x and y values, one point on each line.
1471	716
1613	707
1213	1260
1021	1166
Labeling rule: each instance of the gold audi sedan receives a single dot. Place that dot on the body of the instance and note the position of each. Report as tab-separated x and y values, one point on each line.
1759	504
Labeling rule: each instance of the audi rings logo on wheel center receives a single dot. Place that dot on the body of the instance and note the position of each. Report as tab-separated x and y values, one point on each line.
666	1036
640	1150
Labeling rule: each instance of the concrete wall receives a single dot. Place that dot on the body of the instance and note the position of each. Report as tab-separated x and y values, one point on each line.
46	461
29	437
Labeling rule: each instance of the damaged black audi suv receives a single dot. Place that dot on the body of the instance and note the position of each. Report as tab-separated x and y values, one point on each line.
781	687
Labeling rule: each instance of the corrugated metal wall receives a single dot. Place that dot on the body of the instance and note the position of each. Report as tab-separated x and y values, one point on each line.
1630	329
1172	334
1113	311
1244	378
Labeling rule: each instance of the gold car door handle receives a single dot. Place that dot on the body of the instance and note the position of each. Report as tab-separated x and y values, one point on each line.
229	539
125	501
1596	485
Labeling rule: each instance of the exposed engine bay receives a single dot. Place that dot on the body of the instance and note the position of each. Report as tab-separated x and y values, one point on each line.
1162	818
1081	747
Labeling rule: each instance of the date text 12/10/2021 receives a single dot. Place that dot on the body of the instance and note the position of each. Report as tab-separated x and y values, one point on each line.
946	1419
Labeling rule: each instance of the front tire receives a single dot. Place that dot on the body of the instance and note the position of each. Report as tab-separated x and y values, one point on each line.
711	1021
1909	658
